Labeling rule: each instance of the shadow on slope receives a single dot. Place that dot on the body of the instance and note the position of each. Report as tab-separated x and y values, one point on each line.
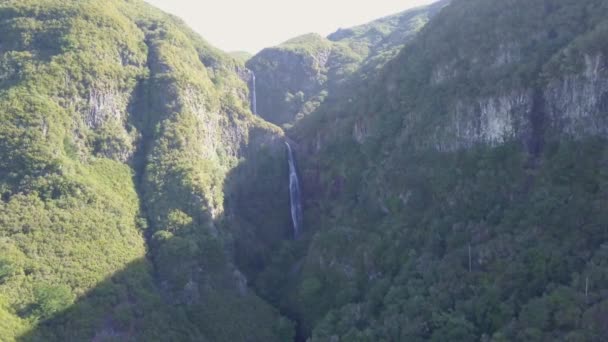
129	307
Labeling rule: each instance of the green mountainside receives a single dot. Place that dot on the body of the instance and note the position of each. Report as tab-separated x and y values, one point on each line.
460	194
120	128
453	160
295	78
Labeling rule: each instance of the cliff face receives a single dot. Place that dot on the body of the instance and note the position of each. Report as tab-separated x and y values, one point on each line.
498	90
573	105
577	103
291	75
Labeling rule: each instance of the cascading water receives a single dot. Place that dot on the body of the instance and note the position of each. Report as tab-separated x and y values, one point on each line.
254	100
294	194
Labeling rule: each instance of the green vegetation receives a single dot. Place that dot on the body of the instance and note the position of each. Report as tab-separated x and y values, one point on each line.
296	77
453	161
120	126
534	237
421	225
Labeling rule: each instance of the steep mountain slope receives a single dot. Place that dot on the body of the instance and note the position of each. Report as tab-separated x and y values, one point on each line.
294	78
458	195
120	128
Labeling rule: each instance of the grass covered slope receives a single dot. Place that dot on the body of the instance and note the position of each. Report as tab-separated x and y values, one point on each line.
120	127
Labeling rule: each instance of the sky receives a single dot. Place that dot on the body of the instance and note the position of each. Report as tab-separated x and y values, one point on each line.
251	25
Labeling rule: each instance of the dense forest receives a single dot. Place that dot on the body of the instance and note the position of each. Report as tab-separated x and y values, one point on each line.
453	160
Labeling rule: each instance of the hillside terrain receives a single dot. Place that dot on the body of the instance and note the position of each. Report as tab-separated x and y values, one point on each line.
295	78
452	194
459	195
453	162
120	129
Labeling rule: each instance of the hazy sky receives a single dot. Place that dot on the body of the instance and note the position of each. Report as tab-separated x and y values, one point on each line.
252	25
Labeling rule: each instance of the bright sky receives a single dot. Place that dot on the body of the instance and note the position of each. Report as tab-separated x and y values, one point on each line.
251	25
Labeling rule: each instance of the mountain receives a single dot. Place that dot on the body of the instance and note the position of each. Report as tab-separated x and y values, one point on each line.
294	78
457	195
452	161
120	132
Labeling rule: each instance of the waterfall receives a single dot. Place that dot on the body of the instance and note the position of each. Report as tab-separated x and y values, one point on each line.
294	194
254	100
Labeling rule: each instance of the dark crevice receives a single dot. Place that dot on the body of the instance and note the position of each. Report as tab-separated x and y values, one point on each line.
537	118
603	103
140	118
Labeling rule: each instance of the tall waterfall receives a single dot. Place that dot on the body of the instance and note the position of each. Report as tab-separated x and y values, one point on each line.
254	99
294	194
